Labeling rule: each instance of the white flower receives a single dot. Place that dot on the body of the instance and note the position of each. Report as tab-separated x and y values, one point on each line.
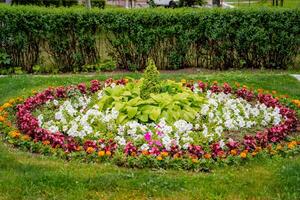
144	147
183	126
55	102
222	144
204	109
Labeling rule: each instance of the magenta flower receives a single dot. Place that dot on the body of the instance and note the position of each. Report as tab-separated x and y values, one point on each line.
147	136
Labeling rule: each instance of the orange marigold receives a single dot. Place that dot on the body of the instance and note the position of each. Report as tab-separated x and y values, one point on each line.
46	142
133	154
257	149
195	160
207	156
108	153
243	154
233	152
292	144
25	138
14	134
164	154
90	150
2	119
101	153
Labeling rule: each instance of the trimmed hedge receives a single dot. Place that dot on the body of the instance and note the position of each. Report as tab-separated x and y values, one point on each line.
66	3
210	38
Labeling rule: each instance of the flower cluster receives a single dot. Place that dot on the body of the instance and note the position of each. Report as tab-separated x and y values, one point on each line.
231	122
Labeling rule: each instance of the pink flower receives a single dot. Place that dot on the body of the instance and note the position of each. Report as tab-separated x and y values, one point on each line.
147	136
95	86
82	88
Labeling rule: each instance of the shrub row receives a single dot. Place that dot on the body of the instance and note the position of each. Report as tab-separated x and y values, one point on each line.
57	3
212	38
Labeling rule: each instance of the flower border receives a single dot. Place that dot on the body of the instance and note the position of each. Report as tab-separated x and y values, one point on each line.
29	135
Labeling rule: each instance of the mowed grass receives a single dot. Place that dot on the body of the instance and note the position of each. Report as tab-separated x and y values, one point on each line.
27	176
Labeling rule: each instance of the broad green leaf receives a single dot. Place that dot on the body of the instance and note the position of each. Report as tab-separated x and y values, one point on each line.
154	114
131	111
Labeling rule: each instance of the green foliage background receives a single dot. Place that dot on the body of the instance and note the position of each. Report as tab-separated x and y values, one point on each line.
211	38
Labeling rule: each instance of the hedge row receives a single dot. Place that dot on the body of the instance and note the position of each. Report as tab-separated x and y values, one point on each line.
57	3
210	38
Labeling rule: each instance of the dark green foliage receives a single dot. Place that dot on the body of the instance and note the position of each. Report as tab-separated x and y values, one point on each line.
66	3
190	3
70	38
151	80
98	3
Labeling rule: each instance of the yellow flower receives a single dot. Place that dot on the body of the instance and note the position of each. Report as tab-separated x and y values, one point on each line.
292	144
6	105
195	160
237	84
19	99
183	81
90	150
11	101
164	154
279	147
243	154
14	134
257	149
25	138
159	158
253	153
101	153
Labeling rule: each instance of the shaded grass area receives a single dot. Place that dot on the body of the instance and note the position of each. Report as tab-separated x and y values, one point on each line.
28	176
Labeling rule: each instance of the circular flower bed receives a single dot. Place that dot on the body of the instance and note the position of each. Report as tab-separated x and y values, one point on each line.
190	125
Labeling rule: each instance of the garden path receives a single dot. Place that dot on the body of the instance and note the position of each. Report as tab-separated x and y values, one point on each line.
297	76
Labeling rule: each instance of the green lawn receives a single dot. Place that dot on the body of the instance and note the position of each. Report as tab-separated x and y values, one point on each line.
27	176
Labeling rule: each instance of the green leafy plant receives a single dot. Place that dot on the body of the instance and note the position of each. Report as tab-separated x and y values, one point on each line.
151	83
173	103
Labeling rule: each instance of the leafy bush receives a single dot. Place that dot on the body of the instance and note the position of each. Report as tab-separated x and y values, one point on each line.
151	83
173	103
66	3
218	39
98	3
106	65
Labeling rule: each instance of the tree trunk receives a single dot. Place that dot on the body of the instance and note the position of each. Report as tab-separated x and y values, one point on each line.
88	4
